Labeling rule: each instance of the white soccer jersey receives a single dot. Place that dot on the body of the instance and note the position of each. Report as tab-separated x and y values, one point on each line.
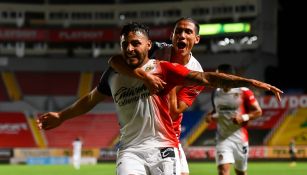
77	147
144	120
227	105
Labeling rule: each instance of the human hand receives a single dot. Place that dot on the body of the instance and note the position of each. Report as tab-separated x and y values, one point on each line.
268	87
210	117
49	120
238	119
154	83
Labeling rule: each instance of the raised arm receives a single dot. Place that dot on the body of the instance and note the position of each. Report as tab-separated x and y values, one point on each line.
221	80
152	82
52	120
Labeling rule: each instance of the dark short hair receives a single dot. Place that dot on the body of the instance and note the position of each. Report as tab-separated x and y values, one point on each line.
191	20
134	27
226	68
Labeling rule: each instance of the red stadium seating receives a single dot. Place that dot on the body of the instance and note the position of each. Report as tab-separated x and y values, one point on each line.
15	131
3	92
95	130
48	83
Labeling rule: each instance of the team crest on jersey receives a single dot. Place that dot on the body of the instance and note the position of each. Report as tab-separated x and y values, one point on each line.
236	95
149	68
196	91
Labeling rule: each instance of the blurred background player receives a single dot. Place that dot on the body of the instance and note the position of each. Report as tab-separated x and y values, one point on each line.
292	152
77	151
232	109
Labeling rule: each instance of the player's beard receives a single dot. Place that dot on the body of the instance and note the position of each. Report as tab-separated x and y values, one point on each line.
136	61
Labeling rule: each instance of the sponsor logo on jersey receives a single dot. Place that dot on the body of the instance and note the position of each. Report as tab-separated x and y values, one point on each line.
167	152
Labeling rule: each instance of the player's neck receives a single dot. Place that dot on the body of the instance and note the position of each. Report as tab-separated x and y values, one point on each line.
181	59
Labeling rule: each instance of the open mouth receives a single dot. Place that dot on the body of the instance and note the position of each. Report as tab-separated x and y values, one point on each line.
131	55
181	45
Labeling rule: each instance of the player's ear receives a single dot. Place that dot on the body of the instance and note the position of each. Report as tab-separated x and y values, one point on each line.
197	39
149	44
171	36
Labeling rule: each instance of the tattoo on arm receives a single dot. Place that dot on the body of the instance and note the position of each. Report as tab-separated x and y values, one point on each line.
217	79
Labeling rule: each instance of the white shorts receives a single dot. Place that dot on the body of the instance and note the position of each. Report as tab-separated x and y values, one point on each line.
184	168
154	161
231	152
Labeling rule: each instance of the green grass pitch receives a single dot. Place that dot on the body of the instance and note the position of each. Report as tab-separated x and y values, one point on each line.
200	168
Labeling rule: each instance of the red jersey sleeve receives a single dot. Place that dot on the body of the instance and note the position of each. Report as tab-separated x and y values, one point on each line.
188	94
174	73
249	97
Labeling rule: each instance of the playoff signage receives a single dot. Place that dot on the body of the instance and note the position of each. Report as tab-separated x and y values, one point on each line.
74	35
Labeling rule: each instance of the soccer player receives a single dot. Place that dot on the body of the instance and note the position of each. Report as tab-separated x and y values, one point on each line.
77	149
292	152
148	142
184	37
232	109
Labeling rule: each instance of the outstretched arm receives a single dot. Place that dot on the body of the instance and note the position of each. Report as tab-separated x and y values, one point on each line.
221	80
152	82
52	120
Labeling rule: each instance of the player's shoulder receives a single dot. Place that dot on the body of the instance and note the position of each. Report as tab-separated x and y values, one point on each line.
194	64
244	88
247	92
193	59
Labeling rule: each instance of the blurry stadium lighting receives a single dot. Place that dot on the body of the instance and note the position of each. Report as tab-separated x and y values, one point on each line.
214	29
225	42
20	19
122	17
20	49
244	40
234	44
96	51
210	29
236	27
248	40
252	39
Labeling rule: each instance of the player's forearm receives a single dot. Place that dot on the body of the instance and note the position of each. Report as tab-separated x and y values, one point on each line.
78	108
255	111
255	114
81	106
173	103
211	117
219	80
119	65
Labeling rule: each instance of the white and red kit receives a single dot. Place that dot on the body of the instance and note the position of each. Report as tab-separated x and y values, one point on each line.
227	105
232	139
145	121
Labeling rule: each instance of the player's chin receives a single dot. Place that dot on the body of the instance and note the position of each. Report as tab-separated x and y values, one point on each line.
181	50
133	62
